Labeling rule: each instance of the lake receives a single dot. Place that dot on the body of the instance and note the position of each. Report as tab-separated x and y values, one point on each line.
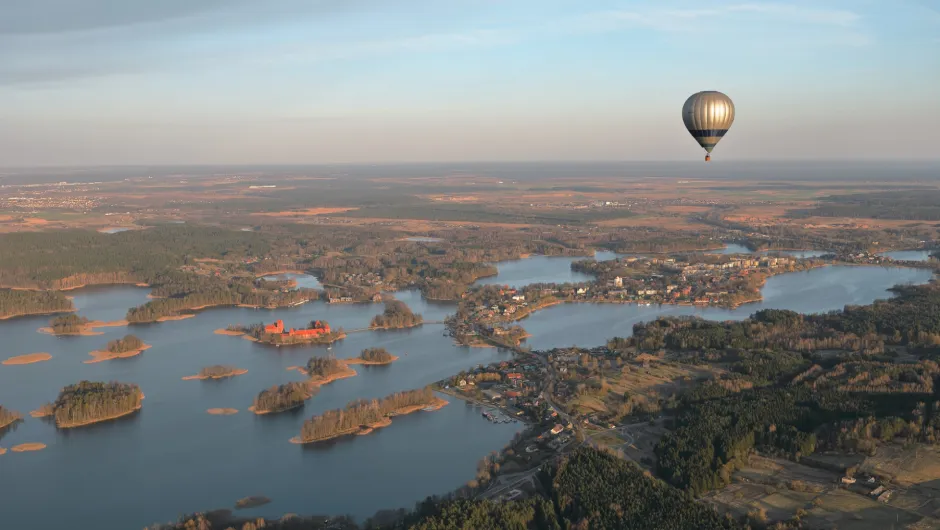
908	255
734	248
541	269
173	458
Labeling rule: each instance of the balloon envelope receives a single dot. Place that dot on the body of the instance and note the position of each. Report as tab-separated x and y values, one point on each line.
708	116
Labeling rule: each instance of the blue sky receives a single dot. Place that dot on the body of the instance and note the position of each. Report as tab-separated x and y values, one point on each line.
323	81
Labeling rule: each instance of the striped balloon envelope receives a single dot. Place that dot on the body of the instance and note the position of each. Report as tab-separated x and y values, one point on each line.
708	116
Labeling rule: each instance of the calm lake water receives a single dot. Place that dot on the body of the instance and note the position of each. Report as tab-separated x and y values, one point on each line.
173	458
541	269
908	255
734	248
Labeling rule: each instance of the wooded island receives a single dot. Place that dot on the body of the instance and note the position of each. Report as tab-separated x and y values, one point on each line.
89	402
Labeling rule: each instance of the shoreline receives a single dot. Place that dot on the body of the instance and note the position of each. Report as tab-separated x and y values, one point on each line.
99	356
29	358
197	377
313	342
86	330
38	314
286	271
362	430
28	447
320	381
99	420
295	407
229	332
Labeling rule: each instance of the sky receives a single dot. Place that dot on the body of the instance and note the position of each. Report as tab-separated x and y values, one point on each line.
114	82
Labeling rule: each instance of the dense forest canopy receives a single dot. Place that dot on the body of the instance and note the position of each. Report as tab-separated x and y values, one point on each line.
376	355
324	366
128	343
397	314
909	205
8	417
89	402
68	258
361	412
284	397
16	302
65	324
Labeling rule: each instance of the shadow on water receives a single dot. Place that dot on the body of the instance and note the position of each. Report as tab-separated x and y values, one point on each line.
10	428
104	427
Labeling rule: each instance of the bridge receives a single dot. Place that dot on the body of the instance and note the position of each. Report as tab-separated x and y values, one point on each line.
360	330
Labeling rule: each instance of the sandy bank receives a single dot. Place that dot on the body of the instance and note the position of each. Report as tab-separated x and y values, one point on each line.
229	332
101	356
84	332
362	430
40	413
23	448
198	377
99	420
3	451
357	360
251	502
222	412
29	358
87	329
263	412
171	318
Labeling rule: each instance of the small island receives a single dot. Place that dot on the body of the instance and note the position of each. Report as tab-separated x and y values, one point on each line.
278	334
8	417
73	324
25	448
373	356
362	417
325	370
89	402
282	398
251	502
129	346
29	358
397	315
222	412
216	372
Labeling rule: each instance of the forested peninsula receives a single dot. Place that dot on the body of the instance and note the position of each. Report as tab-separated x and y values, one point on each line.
89	402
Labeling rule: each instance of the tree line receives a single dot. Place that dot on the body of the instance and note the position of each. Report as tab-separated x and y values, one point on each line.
324	366
65	324
89	402
338	422
284	397
8	417
588	489
397	314
128	343
376	355
16	302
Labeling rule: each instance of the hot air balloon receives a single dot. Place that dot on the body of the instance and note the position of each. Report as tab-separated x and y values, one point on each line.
708	116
